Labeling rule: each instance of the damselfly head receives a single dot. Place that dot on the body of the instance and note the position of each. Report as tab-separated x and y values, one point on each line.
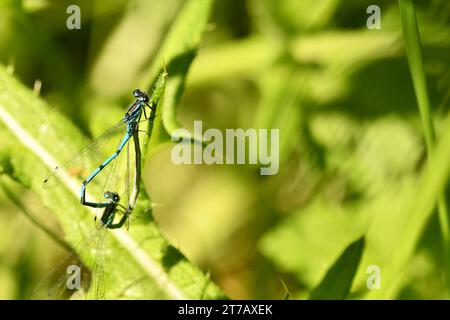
113	196
137	93
140	95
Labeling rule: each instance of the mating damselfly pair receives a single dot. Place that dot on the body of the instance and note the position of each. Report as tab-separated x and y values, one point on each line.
111	182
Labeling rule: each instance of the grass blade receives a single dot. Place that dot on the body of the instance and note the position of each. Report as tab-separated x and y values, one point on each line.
415	215
338	280
414	55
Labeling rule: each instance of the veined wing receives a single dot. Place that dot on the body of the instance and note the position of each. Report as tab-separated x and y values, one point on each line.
68	278
61	282
97	291
86	159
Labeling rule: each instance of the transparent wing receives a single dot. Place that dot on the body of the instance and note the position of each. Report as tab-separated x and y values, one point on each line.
59	284
68	278
71	279
116	180
85	160
98	269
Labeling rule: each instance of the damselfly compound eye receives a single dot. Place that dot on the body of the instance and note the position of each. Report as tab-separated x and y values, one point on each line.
144	97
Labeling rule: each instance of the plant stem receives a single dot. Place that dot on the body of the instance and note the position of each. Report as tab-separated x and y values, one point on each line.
414	55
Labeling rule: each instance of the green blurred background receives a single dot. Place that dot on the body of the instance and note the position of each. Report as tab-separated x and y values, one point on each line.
351	146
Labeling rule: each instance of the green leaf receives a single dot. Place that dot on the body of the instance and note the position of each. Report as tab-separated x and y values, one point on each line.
346	48
297	16
374	168
177	53
414	54
338	281
337	49
316	234
134	39
412	218
275	93
234	59
36	138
